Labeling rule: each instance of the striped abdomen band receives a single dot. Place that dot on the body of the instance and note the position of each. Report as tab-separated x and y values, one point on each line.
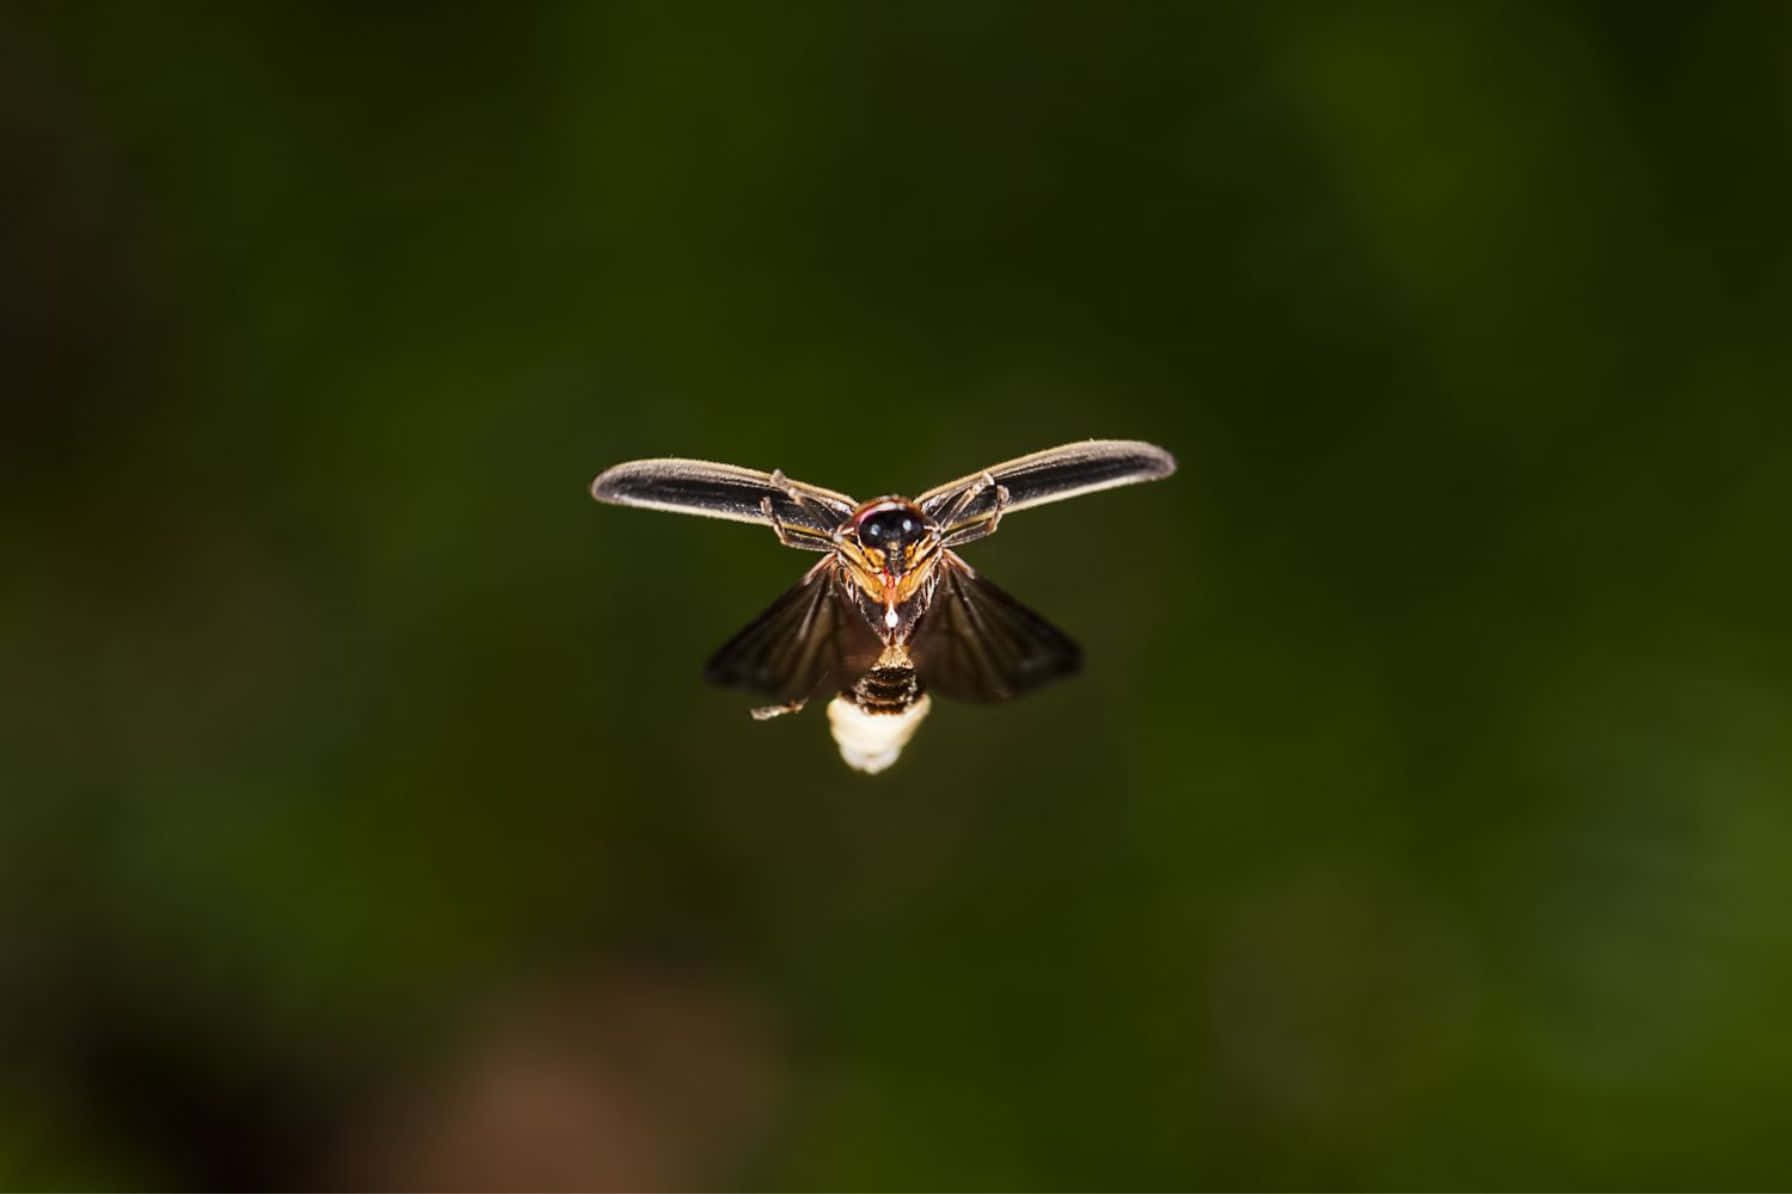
887	689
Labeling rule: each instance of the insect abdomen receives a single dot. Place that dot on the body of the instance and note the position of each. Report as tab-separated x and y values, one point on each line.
874	719
887	689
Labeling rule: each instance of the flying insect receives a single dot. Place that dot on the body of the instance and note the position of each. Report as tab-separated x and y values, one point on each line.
891	614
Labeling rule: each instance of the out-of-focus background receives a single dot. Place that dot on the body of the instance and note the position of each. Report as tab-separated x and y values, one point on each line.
1422	818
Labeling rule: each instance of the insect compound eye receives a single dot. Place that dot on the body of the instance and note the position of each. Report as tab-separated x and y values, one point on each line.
890	530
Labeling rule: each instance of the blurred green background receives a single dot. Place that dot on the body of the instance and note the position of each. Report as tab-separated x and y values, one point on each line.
1422	818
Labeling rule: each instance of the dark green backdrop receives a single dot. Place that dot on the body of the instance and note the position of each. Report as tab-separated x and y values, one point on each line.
1422	817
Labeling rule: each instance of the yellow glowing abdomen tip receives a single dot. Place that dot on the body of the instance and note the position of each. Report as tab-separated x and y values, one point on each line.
870	742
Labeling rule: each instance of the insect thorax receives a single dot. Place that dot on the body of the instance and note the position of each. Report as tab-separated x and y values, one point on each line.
892	620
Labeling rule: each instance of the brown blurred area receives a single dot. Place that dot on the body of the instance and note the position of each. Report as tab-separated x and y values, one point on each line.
628	1080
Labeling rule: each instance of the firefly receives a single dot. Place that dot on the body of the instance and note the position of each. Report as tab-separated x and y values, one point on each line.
891	614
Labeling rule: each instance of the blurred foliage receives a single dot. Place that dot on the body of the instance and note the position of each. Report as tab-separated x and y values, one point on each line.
1421	820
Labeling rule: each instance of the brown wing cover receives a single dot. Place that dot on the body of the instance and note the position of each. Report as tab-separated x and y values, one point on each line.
968	507
808	514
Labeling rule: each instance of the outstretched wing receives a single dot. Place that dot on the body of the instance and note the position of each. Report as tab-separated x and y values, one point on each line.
976	643
806	514
808	638
970	507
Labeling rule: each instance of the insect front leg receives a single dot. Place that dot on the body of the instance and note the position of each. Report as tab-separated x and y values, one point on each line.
1002	496
771	513
963	501
982	524
793	492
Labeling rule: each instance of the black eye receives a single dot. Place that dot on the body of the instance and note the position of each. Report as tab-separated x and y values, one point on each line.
890	530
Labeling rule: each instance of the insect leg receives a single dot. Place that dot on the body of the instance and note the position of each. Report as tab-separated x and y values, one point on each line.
767	712
793	492
766	508
995	519
963	502
985	524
